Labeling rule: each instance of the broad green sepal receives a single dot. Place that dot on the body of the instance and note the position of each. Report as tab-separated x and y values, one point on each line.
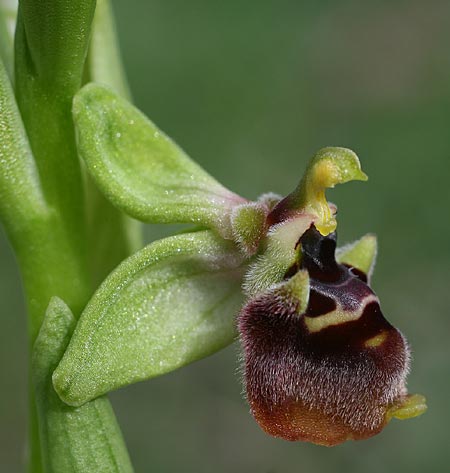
328	167
73	439
360	255
172	303
141	170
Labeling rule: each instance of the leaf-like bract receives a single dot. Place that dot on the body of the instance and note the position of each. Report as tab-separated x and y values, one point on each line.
141	170
73	439
172	303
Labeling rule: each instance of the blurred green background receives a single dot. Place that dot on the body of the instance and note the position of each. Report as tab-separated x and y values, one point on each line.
251	89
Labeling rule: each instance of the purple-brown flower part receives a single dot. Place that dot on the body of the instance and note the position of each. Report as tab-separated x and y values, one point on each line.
325	369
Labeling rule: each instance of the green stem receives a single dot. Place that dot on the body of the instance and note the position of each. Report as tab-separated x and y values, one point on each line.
54	254
49	60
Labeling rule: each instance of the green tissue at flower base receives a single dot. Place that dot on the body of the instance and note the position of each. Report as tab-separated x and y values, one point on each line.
321	363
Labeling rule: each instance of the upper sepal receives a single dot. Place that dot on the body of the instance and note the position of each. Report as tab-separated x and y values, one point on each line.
171	303
141	170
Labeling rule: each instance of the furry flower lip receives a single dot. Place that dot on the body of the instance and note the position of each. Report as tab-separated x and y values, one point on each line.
321	362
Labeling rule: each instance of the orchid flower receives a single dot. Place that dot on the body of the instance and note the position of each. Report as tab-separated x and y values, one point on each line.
320	361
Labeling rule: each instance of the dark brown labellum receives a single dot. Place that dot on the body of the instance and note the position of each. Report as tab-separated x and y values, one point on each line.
328	373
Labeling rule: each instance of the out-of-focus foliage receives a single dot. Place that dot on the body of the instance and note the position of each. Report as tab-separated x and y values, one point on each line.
251	90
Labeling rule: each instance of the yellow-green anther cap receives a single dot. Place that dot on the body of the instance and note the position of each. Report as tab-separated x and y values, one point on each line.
328	167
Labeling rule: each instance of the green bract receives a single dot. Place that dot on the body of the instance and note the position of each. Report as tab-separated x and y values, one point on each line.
73	439
171	303
141	170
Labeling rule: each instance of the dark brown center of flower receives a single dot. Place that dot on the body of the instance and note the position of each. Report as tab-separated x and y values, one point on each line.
333	286
340	362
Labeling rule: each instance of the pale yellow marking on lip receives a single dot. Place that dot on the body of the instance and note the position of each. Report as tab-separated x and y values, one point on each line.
375	341
336	317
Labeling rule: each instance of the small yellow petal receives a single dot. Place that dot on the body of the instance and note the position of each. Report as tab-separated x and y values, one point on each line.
411	406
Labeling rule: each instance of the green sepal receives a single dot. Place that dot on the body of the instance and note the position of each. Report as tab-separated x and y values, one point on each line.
141	170
73	439
171	303
360	255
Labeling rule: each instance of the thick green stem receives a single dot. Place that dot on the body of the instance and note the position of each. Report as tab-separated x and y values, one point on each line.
54	255
50	49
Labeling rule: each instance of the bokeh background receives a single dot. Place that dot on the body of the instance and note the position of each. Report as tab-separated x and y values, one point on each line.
251	89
